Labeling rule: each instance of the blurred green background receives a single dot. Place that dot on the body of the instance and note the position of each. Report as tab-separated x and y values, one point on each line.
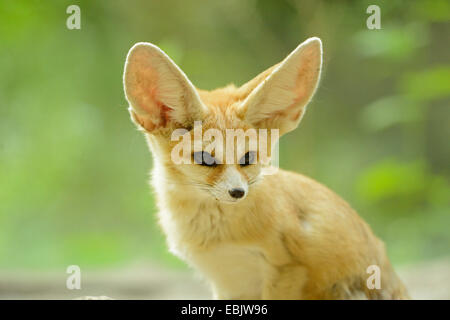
74	171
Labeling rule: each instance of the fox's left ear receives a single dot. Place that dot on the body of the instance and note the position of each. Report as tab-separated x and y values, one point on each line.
159	93
280	100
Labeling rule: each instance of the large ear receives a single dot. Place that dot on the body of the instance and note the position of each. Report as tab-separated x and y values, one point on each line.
159	93
280	99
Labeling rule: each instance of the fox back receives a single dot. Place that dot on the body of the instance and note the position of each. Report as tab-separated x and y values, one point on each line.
252	230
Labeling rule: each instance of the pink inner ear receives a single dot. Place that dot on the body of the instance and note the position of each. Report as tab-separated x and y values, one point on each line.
304	86
164	114
306	77
143	91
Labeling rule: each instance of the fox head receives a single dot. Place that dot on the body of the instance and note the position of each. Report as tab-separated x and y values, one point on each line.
168	108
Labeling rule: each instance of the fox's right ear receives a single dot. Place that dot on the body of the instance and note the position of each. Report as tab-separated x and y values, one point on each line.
159	93
280	99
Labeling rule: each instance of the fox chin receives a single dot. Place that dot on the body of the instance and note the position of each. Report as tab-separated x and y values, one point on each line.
252	231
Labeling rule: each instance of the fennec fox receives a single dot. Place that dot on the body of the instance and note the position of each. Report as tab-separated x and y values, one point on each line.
251	234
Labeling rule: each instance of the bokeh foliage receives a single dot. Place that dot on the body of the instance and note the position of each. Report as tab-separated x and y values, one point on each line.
74	171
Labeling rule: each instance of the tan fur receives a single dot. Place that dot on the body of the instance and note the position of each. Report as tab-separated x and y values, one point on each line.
290	237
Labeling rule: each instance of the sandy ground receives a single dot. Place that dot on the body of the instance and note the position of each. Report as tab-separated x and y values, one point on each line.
429	280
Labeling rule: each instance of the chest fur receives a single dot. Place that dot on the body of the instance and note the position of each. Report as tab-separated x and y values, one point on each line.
214	244
236	272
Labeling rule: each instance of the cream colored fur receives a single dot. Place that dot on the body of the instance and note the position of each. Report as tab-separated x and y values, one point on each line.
289	237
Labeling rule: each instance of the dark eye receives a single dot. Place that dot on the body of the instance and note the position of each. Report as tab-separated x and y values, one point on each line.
205	159
248	158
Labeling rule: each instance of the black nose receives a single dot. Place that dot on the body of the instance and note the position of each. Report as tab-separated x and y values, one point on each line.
236	192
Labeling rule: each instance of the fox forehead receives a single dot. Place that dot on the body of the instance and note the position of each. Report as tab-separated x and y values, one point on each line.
223	109
221	98
224	103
